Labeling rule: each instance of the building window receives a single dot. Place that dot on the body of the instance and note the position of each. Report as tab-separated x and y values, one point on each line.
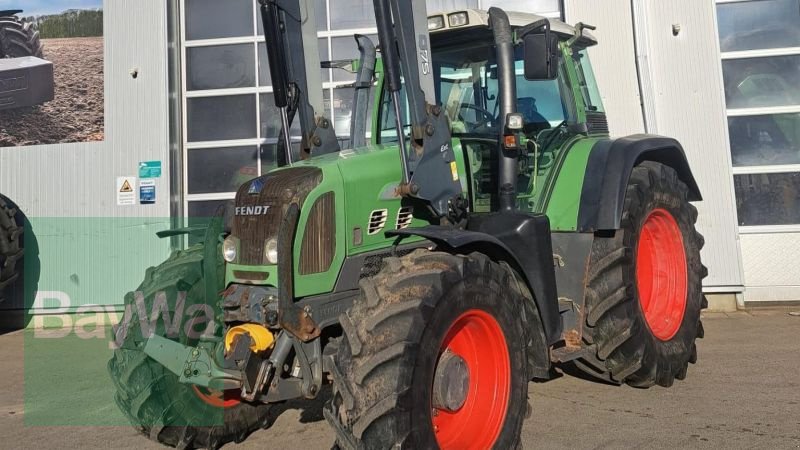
760	45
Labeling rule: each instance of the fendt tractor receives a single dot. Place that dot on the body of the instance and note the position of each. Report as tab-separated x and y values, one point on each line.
26	78
489	234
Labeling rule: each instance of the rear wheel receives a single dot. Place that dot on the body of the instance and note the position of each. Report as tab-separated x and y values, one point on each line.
433	355
18	38
644	294
156	403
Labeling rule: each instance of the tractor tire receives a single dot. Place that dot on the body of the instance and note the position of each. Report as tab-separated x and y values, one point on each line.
150	396
644	293
18	38
419	311
11	251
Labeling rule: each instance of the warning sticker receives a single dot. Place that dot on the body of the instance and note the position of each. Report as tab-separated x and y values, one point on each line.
126	195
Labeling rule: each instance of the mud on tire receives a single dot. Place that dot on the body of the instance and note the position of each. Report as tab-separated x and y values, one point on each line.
392	340
624	348
18	38
149	395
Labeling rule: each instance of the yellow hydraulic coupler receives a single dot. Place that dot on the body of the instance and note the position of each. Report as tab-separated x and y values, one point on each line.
262	338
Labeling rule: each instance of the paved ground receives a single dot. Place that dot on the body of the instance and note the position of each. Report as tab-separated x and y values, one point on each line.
743	393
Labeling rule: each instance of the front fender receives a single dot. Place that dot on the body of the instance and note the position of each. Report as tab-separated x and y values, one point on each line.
521	240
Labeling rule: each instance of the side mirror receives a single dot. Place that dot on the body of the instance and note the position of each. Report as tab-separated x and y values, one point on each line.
541	55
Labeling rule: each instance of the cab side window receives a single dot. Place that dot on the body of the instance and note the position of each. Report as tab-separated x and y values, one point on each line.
587	81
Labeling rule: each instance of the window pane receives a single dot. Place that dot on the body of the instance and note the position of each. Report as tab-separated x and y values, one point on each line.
342	105
216	170
205	209
588	83
269	159
352	14
218	118
200	214
265	78
224	66
271	119
759	25
757	82
320	11
765	140
211	19
768	199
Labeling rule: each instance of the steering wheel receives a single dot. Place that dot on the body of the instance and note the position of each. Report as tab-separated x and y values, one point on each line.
484	112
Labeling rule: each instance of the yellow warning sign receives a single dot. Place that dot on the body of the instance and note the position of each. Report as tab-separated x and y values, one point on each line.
126	194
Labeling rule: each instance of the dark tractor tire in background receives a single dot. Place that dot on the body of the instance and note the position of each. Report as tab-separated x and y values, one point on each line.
18	38
10	247
418	315
151	397
644	291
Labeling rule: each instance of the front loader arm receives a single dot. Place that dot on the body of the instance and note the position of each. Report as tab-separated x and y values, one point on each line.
429	168
291	35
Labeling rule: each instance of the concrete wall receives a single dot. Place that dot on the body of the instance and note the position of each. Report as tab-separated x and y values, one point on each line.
90	248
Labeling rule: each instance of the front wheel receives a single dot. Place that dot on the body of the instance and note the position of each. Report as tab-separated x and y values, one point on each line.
433	355
644	292
151	397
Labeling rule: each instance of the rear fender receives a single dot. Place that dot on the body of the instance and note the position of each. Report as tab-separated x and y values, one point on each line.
608	171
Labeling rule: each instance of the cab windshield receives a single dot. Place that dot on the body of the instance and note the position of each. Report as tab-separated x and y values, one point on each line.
466	83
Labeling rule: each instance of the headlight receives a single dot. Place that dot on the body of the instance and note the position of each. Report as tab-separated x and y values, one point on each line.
229	249
271	250
515	121
435	23
458	19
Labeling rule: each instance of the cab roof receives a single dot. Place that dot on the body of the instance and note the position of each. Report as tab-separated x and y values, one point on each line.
480	18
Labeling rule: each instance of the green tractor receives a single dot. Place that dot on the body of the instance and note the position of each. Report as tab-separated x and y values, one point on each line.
490	232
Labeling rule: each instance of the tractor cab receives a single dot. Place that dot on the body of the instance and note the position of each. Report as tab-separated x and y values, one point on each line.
552	107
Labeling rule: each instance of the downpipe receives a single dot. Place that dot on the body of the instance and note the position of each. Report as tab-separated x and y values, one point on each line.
506	79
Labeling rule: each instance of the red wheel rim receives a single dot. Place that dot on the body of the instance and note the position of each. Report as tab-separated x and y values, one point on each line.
216	399
661	275
477	338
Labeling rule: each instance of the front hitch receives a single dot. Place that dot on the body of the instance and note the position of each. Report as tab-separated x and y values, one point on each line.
193	365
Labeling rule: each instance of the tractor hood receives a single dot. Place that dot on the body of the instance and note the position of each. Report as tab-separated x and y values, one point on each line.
347	202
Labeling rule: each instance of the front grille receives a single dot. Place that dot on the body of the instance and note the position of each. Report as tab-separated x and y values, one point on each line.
319	239
277	190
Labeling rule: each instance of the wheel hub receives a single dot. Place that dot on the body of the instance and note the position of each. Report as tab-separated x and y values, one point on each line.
472	383
451	382
661	274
